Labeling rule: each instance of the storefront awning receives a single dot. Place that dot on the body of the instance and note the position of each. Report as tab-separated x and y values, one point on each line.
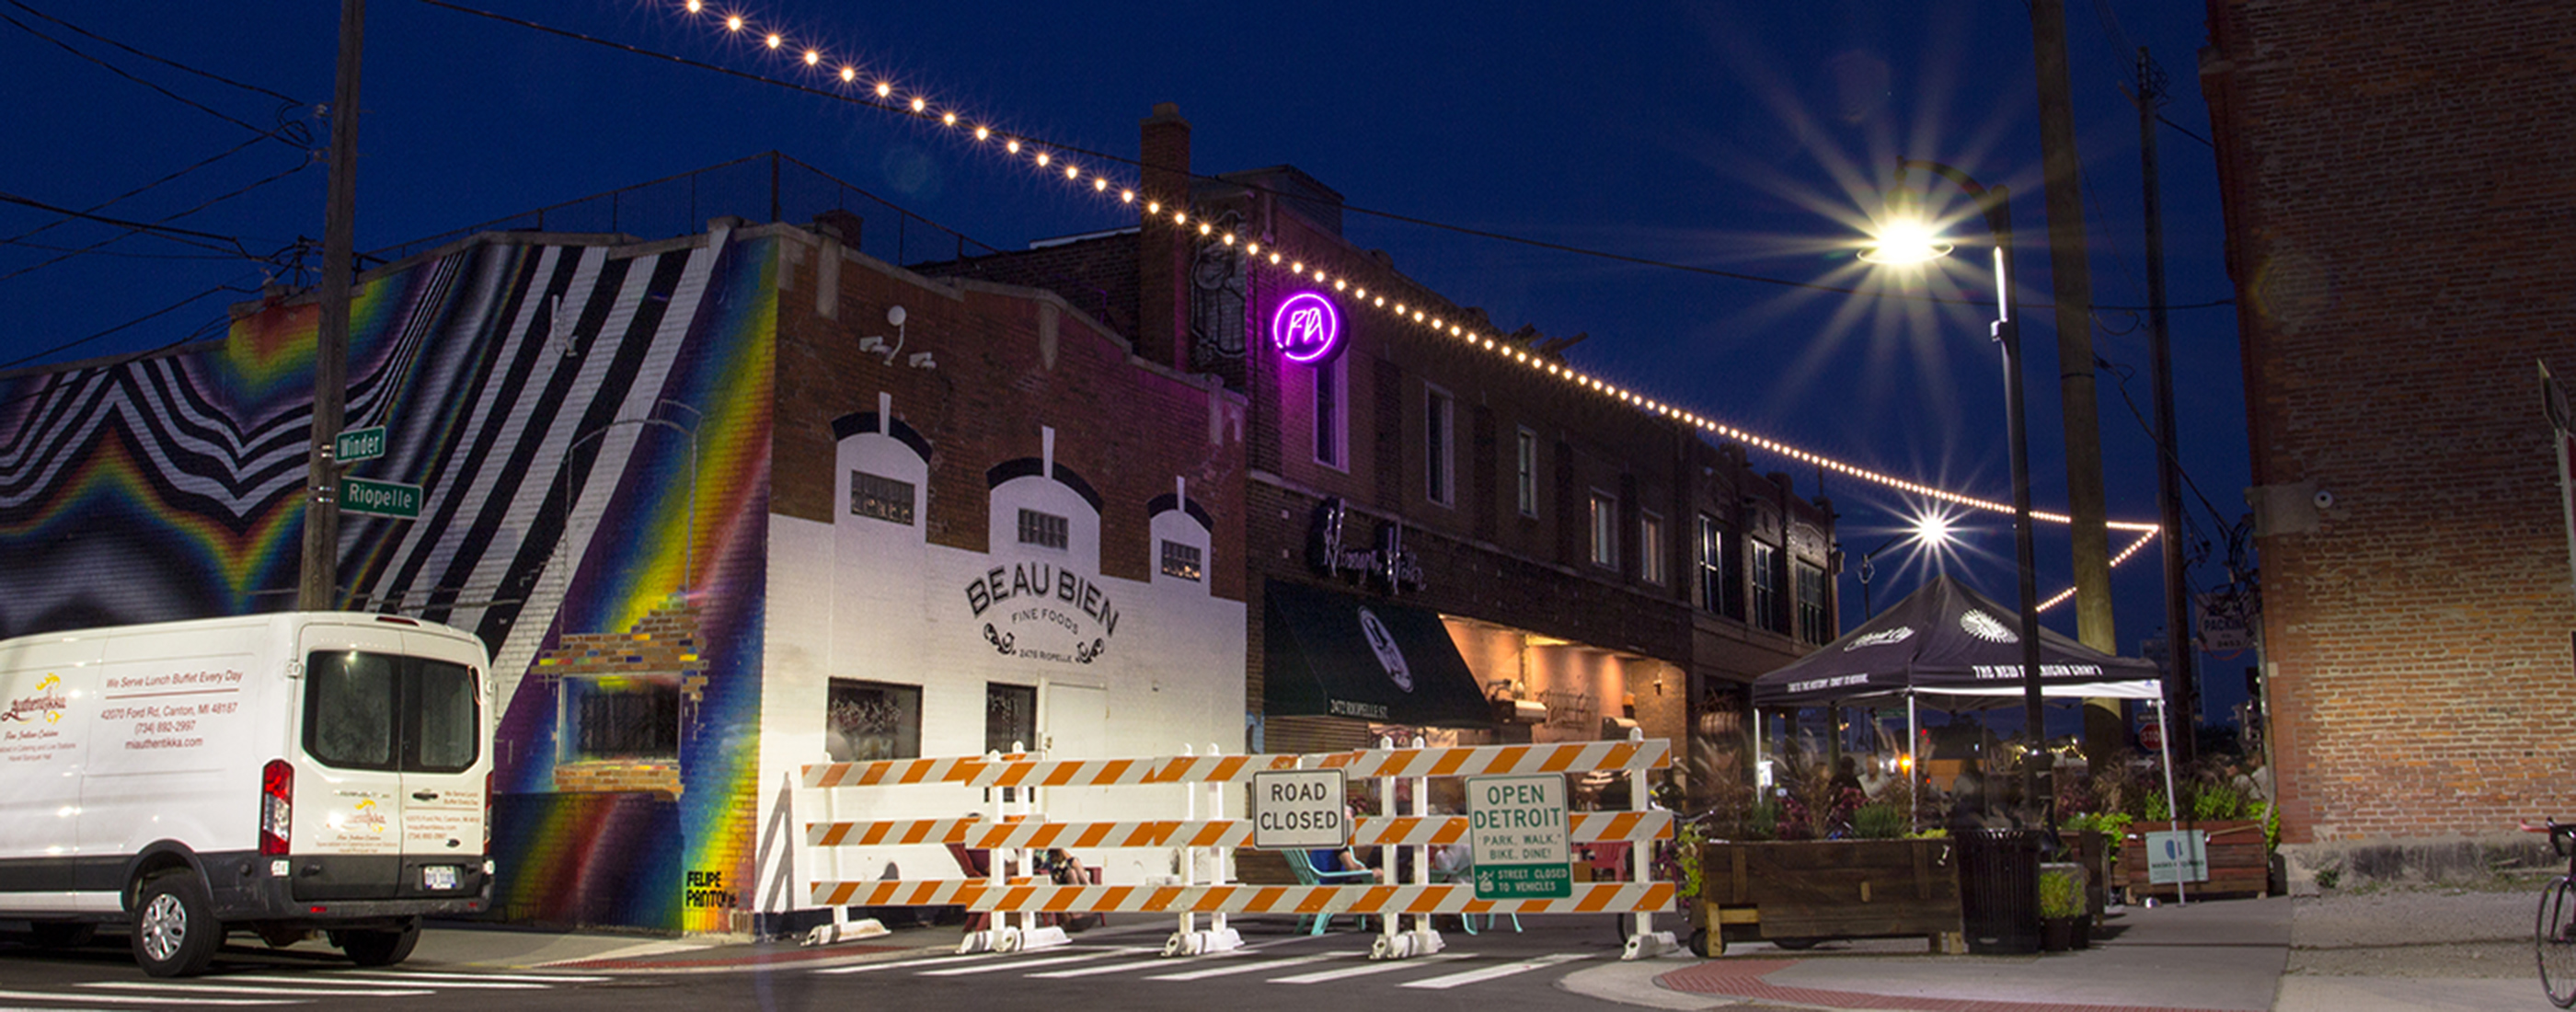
1331	654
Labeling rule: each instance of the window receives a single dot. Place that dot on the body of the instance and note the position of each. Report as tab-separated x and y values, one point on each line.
1650	548
1766	589
1180	560
1045	530
1010	717
867	721
1330	432
1437	438
1712	565
373	711
1526	473
625	718
1811	605
875	495
1605	530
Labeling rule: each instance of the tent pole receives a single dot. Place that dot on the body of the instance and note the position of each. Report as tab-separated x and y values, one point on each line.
2173	802
1915	775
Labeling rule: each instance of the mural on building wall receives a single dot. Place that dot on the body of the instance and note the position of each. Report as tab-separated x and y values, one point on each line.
544	397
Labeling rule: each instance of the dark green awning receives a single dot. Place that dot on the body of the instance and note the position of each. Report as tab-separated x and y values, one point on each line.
1331	654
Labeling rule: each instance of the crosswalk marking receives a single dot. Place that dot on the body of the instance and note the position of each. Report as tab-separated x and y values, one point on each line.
433	975
1025	964
1321	976
1490	972
301	992
1247	966
898	964
136	999
414	980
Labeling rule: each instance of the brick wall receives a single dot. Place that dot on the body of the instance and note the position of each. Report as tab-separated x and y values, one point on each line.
2399	198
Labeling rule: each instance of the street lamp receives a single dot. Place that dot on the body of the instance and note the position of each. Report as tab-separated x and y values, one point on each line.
1930	530
1911	241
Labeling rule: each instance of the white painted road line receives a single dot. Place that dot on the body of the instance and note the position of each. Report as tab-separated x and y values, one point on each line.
1382	966
1027	964
896	964
136	999
301	992
533	978
352	978
1491	972
1248	966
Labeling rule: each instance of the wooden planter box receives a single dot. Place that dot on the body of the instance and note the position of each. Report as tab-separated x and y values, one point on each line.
2239	863
1794	892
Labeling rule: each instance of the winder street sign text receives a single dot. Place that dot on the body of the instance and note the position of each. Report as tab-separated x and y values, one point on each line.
358	444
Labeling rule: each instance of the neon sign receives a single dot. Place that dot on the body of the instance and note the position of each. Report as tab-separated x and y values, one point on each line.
1307	328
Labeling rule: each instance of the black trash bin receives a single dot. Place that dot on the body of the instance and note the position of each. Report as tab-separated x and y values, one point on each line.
1999	889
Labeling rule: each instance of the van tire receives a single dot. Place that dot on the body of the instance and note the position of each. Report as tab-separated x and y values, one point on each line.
175	931
380	948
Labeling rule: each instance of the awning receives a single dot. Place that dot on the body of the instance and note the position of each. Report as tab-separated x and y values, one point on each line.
1331	654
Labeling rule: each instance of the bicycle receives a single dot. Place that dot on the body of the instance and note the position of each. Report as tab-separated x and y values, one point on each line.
2553	934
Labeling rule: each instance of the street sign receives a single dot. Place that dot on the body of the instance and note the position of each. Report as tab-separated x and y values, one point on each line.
1299	810
2177	857
1516	835
380	498
358	444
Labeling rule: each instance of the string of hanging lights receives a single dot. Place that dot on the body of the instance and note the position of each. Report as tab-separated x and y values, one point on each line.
1052	158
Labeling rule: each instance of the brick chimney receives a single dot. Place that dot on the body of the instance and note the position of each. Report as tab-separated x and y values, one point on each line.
1162	256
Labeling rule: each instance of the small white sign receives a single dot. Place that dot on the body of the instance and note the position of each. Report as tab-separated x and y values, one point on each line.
2177	857
1299	810
1516	832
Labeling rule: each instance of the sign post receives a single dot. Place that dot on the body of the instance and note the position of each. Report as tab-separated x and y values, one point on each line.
1299	810
1516	834
380	498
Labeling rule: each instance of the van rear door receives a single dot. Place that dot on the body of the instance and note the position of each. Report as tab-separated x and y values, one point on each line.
387	735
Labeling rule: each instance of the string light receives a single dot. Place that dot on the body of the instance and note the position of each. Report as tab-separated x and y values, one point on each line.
919	105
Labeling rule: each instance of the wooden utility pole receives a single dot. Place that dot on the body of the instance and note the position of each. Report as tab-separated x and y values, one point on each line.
2181	688
2073	282
318	585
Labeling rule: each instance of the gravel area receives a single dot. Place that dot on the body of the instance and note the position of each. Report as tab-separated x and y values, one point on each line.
2413	933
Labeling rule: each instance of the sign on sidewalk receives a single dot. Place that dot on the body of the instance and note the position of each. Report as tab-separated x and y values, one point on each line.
2177	857
1516	834
1299	810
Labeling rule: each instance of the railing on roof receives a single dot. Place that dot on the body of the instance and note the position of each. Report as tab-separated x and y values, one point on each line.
764	188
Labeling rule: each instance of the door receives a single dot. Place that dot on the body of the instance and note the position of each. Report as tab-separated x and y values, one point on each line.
446	758
1076	726
390	779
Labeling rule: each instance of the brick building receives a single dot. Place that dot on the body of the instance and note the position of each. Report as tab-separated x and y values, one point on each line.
2396	184
1596	565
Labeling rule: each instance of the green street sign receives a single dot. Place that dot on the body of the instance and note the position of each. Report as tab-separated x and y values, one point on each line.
1516	834
380	498
358	444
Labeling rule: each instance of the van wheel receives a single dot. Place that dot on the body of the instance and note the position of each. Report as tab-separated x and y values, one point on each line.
380	948
175	931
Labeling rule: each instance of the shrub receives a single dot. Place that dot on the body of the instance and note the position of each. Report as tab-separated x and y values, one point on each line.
2217	801
1880	821
2061	893
1762	821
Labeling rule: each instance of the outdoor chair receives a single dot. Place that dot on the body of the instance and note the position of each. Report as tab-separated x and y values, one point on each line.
1302	863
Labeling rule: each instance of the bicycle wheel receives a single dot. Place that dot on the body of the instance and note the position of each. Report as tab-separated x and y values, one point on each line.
2553	939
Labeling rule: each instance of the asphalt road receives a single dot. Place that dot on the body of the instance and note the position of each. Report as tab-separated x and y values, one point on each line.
1111	969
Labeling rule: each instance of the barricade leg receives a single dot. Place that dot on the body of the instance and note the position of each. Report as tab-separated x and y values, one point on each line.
1187	939
1423	940
1645	942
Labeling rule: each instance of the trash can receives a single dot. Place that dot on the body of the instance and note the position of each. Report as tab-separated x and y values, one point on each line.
1999	889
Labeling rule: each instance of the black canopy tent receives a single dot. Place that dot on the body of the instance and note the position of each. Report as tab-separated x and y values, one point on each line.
1948	647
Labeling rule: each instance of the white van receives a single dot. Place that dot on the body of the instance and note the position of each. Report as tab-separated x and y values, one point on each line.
275	774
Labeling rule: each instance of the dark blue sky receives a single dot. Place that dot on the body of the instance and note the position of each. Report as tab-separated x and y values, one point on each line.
1743	137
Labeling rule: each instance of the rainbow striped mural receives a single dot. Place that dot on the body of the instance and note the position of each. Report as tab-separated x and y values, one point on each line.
591	427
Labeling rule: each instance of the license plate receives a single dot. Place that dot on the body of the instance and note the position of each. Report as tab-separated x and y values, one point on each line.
440	876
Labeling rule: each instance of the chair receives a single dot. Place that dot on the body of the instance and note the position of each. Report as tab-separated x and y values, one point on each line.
1302	863
1467	874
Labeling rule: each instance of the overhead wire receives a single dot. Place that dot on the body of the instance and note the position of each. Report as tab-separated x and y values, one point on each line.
139	190
122	72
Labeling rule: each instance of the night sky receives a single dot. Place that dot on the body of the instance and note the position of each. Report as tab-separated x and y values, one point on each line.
1749	139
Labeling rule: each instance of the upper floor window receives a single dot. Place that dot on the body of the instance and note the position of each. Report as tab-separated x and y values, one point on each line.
875	495
1712	564
1605	530
1045	530
1650	548
1439	480
1812	626
1180	560
1525	473
1767	612
1332	431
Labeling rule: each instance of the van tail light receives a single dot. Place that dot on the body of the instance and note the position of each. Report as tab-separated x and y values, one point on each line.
487	813
276	807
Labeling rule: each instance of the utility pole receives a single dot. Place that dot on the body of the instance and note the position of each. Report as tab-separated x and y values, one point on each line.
318	585
2181	688
2104	729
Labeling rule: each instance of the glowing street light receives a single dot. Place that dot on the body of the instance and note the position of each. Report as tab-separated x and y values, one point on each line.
1930	530
1912	241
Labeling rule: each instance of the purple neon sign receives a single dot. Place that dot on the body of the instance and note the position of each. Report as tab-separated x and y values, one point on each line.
1307	328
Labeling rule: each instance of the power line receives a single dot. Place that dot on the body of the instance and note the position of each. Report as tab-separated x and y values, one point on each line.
133	227
908	111
119	198
121	72
147	317
165	61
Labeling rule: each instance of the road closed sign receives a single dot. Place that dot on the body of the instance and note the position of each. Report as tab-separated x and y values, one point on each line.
1299	810
1516	832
